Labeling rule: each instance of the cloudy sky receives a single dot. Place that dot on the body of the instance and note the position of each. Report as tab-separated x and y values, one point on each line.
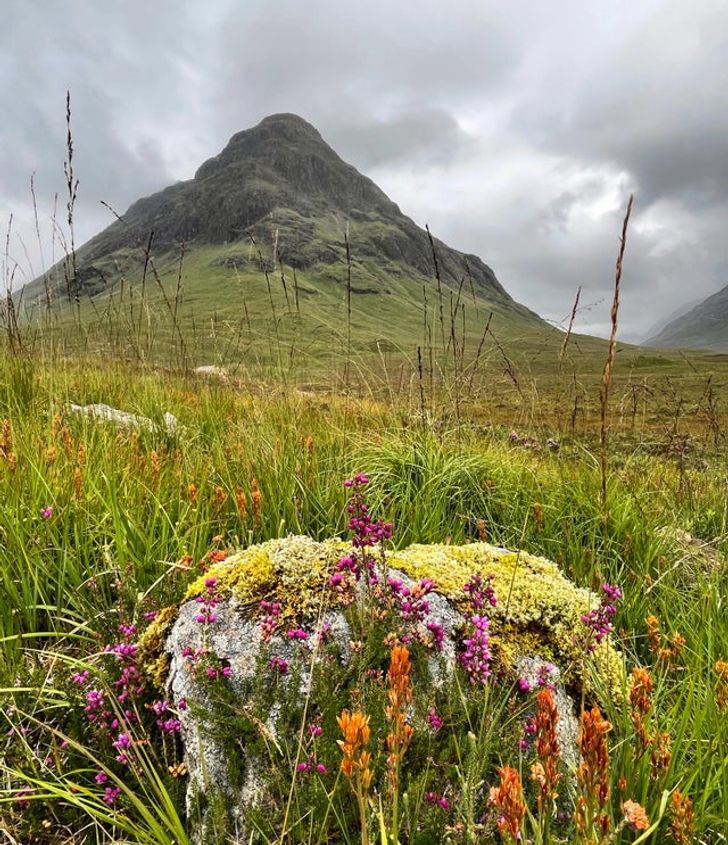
515	129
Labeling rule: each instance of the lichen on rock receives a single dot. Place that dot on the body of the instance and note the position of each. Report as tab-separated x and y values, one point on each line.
538	609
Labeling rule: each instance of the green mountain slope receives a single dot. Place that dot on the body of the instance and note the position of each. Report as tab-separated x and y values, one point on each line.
703	327
280	185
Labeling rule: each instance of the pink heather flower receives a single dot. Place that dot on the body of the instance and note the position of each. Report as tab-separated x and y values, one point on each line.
80	678
323	633
434	720
315	729
543	675
524	685
101	777
123	741
296	634
269	621
480	592
127	630
111	793
182	704
160	707
476	655
599	620
320	768
437	800
151	615
302	767
46	513
438	634
278	664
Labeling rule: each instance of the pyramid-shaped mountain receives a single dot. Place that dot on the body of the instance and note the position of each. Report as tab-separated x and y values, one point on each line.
278	192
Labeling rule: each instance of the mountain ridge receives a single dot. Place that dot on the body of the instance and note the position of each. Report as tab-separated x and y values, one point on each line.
705	326
283	172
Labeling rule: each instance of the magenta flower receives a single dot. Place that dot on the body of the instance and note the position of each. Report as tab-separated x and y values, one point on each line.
111	793
278	664
46	513
524	685
475	657
434	720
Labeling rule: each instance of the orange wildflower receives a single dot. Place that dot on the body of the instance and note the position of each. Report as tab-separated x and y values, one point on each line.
593	772
682	823
400	732
507	798
356	759
635	815
241	502
547	747
640	697
257	500
721	688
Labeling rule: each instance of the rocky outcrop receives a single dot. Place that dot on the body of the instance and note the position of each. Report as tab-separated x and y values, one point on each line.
123	419
532	631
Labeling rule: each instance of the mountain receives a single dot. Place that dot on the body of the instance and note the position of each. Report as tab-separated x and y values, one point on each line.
278	201
703	327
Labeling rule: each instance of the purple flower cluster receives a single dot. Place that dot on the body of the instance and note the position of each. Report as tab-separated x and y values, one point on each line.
278	664
529	731
366	533
166	722
480	592
311	766
434	720
200	659
599	620
269	622
475	657
209	602
436	800
412	605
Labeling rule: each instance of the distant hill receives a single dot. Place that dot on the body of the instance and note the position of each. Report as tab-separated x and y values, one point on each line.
282	185
703	327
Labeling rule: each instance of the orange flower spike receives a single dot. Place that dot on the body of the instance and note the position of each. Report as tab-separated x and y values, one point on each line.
635	816
721	688
593	772
640	697
507	798
547	746
682	823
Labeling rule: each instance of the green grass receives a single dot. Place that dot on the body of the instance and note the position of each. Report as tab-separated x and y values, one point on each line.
124	516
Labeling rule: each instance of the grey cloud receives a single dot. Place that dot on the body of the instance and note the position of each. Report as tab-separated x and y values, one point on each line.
432	136
515	130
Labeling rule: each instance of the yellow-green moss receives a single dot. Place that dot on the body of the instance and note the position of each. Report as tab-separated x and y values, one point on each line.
538	610
151	658
291	571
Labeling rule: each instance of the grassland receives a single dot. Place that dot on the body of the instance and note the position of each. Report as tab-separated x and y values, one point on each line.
96	526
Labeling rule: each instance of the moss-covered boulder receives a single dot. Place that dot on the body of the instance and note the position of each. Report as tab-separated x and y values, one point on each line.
536	620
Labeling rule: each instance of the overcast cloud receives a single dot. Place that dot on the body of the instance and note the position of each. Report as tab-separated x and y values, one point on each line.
516	130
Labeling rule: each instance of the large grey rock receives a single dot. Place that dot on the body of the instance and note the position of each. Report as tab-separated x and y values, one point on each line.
235	638
123	419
